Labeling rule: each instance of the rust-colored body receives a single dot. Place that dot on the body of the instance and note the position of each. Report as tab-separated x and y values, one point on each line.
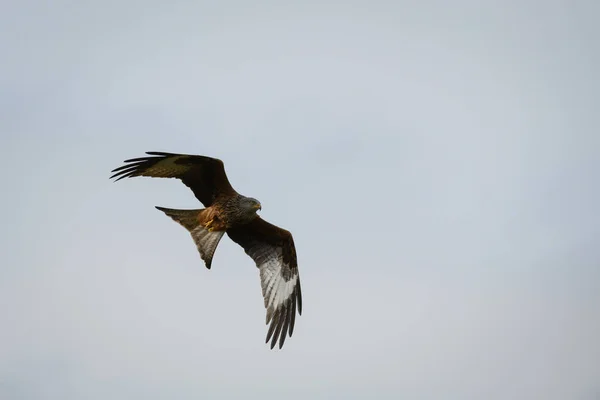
213	219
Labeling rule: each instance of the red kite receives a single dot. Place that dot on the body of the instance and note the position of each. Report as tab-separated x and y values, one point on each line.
227	211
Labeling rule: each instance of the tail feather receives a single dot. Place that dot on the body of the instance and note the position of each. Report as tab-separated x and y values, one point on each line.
206	241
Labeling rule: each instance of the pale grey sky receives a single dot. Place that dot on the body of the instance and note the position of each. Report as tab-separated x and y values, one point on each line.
437	162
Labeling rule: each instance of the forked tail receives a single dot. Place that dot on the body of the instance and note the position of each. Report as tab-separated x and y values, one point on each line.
206	241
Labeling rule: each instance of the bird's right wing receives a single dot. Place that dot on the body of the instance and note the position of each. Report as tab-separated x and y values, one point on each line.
274	253
205	176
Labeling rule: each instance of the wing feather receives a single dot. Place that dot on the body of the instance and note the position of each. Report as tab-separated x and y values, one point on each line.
274	253
205	176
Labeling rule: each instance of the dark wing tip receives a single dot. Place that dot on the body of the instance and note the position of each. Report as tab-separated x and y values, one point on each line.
136	166
299	297
287	309
278	329
161	153
283	321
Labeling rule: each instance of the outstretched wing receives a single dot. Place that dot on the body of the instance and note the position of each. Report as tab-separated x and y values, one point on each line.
273	251
205	176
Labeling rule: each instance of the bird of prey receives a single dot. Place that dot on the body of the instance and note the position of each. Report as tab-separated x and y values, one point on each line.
227	211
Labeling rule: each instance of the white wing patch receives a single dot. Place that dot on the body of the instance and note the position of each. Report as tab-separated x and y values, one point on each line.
276	290
280	289
273	251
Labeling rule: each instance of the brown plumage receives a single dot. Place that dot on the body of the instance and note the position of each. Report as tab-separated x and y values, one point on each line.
226	211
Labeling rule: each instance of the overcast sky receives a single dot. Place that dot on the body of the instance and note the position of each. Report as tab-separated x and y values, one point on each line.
437	162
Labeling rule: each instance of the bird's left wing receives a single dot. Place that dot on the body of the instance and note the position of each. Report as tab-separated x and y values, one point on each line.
205	176
274	253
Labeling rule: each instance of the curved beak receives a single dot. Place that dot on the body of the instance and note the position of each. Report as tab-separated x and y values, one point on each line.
258	206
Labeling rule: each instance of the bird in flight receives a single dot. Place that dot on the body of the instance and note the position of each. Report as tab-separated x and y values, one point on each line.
226	211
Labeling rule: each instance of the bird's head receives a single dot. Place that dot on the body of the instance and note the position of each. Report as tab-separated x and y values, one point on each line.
251	205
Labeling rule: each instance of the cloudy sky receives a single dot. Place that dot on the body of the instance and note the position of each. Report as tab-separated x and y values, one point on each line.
437	162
